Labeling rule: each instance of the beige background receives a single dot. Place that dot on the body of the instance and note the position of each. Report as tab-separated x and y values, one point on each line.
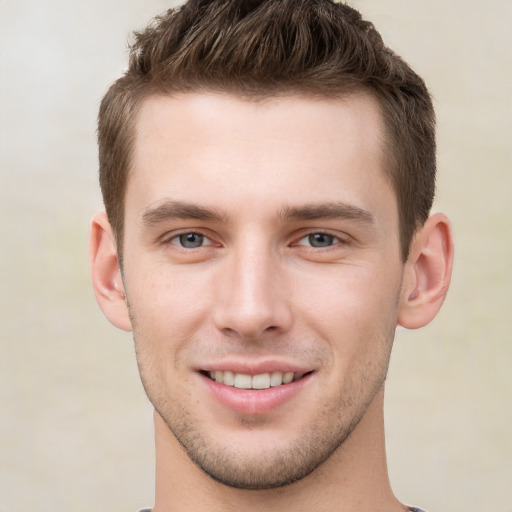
75	428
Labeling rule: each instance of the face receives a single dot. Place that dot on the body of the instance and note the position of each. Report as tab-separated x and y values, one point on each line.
262	271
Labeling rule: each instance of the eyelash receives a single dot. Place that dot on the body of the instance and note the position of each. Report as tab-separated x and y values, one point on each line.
177	239
332	239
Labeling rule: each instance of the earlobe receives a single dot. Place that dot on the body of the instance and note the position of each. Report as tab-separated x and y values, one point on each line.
427	273
106	273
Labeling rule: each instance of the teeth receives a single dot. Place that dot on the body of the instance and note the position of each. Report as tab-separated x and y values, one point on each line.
243	381
229	378
261	381
276	379
287	377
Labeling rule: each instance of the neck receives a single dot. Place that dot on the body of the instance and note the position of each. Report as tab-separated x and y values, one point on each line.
353	479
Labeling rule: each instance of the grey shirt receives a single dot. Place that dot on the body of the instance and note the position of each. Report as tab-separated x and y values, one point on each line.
412	509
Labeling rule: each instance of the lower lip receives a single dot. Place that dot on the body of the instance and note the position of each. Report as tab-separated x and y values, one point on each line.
254	401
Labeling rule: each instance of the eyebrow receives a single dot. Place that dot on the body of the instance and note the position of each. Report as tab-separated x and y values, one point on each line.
171	210
327	211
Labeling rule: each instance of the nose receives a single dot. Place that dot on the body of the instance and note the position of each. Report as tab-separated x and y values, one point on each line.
252	300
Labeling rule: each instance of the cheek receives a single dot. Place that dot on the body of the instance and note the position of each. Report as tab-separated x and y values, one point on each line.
168	310
354	312
164	293
349	298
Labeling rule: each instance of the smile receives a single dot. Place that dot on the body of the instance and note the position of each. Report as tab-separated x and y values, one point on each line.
260	381
255	392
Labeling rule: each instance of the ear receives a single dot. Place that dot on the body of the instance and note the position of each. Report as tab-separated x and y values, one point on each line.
427	273
106	273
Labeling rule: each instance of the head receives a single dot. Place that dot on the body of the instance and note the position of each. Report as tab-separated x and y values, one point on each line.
260	49
268	170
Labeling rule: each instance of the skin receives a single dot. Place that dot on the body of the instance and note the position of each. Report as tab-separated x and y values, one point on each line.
292	261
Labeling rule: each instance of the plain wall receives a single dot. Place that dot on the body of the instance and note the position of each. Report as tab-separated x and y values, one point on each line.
75	426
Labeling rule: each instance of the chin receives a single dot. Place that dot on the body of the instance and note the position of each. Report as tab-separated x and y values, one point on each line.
255	459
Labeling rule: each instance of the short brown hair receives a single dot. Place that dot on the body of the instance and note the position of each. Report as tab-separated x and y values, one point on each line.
259	48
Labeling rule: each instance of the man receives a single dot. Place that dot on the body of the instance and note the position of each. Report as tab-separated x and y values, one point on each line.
267	169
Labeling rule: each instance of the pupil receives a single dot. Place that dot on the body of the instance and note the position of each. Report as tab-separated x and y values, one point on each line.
320	240
191	240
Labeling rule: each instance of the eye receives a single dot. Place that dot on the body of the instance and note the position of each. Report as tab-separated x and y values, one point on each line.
191	240
318	240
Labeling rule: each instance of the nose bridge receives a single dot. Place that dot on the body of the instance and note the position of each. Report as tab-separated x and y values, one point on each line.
251	297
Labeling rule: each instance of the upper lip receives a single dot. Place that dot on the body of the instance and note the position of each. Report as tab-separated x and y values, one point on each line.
255	367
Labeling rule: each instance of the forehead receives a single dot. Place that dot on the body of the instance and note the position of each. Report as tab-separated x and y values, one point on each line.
322	119
214	147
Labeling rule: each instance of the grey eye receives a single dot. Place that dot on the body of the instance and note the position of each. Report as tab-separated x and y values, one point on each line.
320	240
191	240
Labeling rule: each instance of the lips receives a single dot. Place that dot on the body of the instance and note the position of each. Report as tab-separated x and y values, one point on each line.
259	381
254	393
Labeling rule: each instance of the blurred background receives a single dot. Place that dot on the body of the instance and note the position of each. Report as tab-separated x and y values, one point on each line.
75	426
